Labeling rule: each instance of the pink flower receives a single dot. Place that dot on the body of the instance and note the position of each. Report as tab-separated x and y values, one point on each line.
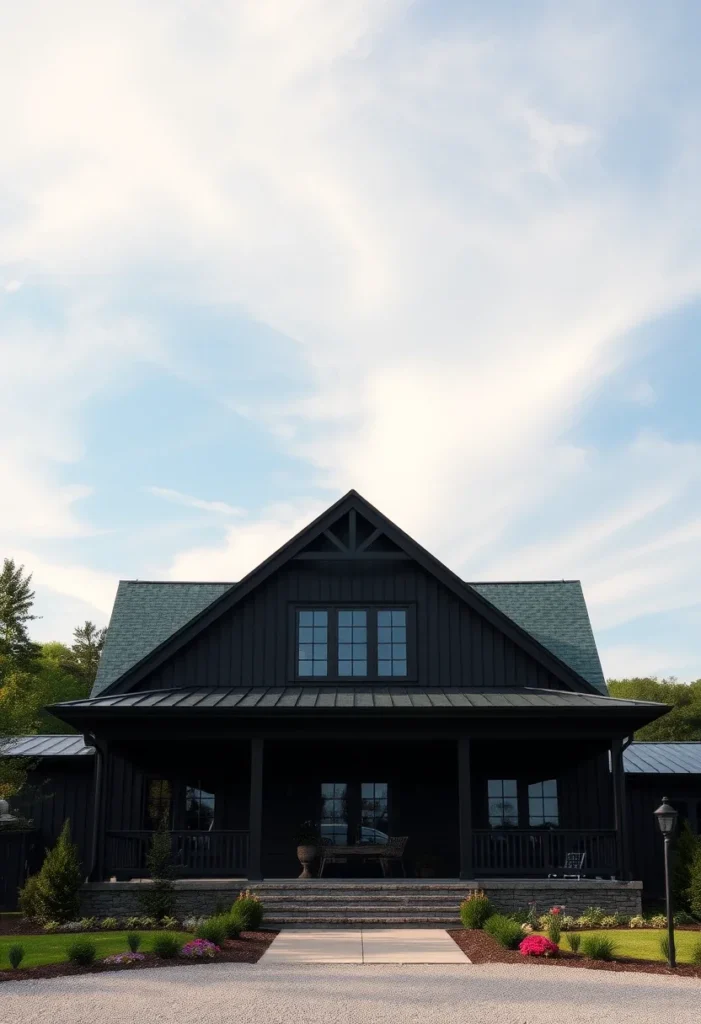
556	910
538	945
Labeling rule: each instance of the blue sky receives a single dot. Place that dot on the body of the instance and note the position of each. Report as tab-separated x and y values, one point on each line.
257	253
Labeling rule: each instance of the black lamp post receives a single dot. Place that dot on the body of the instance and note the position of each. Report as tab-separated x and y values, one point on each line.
667	820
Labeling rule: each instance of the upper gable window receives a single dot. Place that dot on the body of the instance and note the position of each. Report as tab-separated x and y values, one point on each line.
352	642
312	643
391	643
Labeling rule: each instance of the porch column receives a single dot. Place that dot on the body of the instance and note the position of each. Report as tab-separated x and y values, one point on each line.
255	823
620	808
465	807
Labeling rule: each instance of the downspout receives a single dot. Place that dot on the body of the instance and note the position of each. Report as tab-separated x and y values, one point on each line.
90	741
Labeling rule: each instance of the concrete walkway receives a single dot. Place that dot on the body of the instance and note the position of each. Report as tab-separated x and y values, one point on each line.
364	946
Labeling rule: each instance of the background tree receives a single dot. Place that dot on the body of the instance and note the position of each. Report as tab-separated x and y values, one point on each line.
683	722
16	600
84	656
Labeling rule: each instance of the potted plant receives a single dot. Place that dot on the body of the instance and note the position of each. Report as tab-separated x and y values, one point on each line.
308	843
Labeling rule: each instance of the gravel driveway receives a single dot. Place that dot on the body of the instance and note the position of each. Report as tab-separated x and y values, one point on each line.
318	994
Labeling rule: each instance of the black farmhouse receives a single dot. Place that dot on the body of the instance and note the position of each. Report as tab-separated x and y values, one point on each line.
354	681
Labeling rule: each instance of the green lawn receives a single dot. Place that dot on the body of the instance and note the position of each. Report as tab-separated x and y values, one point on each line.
51	949
644	944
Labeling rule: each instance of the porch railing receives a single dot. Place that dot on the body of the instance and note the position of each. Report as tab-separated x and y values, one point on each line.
195	854
541	852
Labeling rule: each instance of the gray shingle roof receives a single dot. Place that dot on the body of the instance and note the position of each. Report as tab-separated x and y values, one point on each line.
663	758
554	613
368	697
146	614
44	746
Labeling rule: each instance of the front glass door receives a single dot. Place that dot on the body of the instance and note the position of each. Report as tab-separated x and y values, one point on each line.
354	812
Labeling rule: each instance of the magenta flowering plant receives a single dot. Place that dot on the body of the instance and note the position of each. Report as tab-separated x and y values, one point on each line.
124	958
200	948
538	945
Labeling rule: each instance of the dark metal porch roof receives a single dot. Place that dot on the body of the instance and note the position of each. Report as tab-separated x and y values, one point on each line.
663	758
45	746
347	698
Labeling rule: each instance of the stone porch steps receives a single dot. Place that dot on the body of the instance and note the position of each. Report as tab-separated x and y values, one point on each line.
337	903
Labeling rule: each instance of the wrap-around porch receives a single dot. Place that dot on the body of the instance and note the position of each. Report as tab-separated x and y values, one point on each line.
468	807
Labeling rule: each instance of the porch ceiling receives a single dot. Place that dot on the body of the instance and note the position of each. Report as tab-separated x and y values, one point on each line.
355	701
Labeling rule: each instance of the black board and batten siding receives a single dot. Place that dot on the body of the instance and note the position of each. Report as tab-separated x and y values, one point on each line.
253	643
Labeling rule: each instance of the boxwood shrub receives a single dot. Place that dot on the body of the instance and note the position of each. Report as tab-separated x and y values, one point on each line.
475	910
82	951
507	933
166	945
215	929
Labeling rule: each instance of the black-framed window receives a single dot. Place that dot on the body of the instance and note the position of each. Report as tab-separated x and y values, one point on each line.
502	803
199	809
312	642
374	812
352	648
159	803
345	642
542	803
334	813
391	642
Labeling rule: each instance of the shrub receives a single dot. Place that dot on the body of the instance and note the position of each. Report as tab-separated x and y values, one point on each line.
568	922
133	941
538	945
58	886
506	932
132	923
696	953
191	924
475	910
170	922
87	923
694	889
598	947
682	918
664	946
658	921
520	917
15	955
637	922
158	898
610	921
574	941
685	844
214	929
554	925
83	952
200	948
232	924
165	945
593	916
249	910
109	924
51	926
72	926
27	900
124	958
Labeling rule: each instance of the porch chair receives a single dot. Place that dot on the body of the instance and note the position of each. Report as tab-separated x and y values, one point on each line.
574	862
395	848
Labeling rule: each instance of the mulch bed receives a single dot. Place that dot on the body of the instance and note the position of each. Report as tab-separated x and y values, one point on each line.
483	949
247	949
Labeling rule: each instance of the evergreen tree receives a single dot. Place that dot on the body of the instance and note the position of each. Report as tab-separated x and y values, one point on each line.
684	852
16	600
694	890
84	656
158	899
57	892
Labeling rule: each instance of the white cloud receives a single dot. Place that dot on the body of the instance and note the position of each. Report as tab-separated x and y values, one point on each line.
178	498
431	215
93	588
626	661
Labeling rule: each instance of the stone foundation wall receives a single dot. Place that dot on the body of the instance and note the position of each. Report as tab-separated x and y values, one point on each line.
121	899
575	895
194	897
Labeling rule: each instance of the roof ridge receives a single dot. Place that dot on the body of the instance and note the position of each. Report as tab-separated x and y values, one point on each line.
186	583
504	583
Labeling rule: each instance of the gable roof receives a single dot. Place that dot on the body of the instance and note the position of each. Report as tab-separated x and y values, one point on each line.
663	758
555	613
144	615
351	502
